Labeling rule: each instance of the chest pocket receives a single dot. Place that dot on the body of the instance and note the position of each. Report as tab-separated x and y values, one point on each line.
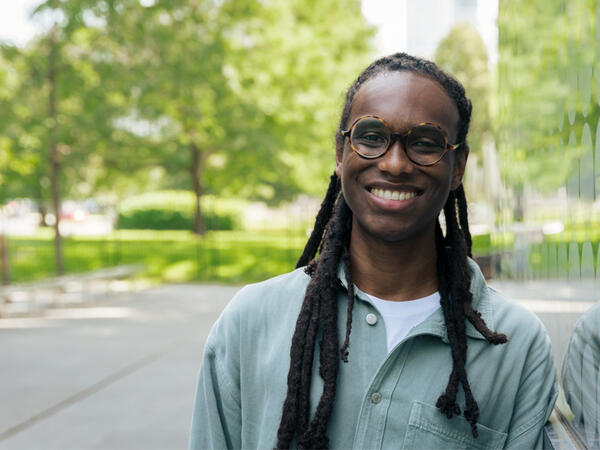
429	429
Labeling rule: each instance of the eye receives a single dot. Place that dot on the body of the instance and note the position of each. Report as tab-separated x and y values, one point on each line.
425	139
424	146
370	138
425	143
373	137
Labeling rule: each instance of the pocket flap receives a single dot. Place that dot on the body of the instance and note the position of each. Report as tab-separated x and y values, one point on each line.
429	428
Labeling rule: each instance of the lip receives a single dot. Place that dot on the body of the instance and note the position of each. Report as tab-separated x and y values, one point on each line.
389	204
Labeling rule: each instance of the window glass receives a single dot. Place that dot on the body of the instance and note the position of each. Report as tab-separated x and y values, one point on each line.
546	231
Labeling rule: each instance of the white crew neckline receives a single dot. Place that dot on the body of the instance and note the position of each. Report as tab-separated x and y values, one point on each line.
401	317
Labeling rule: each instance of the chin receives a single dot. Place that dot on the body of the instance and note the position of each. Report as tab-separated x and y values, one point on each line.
393	234
396	237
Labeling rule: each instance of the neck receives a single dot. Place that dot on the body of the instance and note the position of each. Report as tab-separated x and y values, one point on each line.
398	271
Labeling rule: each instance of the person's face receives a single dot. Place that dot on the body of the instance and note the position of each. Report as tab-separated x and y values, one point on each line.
402	100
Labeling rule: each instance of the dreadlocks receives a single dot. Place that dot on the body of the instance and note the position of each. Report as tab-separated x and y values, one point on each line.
331	237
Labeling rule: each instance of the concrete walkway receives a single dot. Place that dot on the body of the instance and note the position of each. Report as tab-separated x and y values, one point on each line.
118	374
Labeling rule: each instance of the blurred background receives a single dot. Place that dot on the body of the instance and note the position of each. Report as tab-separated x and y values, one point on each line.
149	143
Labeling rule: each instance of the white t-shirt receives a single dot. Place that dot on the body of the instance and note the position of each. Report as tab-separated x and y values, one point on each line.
401	317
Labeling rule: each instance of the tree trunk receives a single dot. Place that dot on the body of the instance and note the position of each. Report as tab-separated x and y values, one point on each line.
43	211
54	155
196	171
4	259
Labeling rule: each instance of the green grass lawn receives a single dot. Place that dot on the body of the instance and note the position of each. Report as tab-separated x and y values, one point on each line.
173	256
169	256
241	256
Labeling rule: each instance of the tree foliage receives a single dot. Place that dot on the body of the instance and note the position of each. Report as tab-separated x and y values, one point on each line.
223	97
463	54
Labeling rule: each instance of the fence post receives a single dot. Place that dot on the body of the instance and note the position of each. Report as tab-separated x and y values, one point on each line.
4	260
197	255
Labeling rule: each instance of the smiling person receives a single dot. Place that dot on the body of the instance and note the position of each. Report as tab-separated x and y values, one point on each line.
390	337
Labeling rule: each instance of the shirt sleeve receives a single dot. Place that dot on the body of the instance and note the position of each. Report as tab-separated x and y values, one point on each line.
536	395
216	419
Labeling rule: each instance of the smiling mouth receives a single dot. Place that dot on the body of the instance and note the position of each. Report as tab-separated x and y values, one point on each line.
393	195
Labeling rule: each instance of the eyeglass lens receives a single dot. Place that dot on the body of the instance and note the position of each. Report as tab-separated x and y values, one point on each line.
425	144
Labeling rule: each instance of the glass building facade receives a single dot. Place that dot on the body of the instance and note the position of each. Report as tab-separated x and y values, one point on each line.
546	232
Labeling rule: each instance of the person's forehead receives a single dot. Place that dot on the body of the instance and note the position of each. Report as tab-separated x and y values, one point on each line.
403	99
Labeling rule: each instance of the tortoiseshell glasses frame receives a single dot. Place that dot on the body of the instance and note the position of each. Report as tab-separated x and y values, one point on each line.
429	150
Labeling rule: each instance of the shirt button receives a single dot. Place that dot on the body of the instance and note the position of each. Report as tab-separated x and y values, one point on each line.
375	397
371	319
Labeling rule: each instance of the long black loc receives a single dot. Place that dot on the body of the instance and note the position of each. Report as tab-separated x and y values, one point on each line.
323	216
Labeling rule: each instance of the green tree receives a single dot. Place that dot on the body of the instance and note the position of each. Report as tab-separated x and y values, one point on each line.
257	116
221	97
8	81
13	164
25	136
463	54
61	119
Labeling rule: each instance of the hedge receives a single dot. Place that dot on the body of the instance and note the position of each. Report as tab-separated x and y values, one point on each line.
174	210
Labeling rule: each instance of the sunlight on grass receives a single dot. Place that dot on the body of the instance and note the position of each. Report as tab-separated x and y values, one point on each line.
180	271
224	256
172	256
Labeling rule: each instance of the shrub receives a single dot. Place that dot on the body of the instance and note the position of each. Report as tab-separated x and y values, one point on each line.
174	210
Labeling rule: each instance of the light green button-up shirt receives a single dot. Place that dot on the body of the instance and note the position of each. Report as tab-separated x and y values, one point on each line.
383	400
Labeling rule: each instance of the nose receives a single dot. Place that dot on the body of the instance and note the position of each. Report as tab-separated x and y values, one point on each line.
395	161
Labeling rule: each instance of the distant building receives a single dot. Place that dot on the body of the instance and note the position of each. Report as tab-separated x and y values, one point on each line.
417	26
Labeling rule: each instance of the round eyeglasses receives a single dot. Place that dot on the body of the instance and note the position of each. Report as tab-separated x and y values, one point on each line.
425	144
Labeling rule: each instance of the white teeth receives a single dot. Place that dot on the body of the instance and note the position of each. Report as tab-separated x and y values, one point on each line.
392	195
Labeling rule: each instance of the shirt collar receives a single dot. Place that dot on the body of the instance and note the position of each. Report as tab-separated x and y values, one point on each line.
435	324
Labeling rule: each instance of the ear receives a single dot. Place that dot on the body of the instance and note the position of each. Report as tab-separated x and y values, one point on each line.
339	155
460	163
338	164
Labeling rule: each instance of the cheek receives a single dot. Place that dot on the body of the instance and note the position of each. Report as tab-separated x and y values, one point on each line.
444	173
347	174
344	176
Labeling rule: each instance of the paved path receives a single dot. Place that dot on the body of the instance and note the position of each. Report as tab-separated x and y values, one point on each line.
119	374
